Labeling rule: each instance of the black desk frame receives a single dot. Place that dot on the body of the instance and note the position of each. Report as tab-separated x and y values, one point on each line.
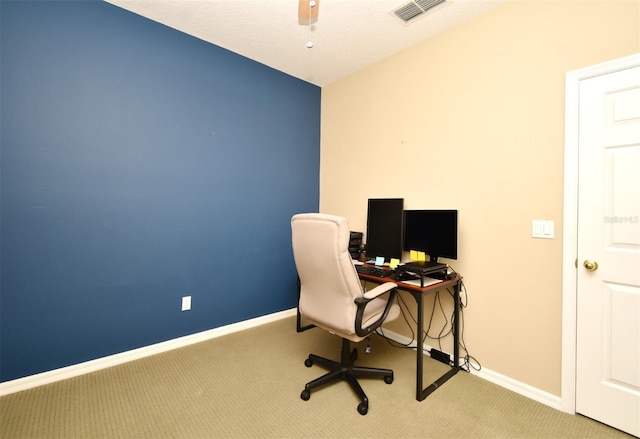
418	294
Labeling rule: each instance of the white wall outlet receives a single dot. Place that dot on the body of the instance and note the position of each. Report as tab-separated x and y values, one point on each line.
186	303
542	229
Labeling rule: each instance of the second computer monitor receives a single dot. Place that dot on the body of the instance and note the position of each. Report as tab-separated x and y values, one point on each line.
434	232
384	228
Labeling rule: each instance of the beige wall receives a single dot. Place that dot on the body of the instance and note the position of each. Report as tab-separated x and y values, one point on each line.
473	119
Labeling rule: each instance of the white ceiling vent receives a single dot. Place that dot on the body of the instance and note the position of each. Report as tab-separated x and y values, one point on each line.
408	12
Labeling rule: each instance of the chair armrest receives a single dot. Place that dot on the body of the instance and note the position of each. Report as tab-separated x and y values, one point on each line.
380	289
362	302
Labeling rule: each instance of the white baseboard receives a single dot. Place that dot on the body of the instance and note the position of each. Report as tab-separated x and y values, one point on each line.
520	388
494	377
52	376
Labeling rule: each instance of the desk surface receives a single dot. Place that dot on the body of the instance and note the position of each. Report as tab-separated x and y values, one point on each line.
408	286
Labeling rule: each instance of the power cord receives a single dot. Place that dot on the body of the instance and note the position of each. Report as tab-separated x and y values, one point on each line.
408	318
468	361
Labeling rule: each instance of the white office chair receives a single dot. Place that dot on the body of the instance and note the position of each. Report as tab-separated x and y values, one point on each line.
332	298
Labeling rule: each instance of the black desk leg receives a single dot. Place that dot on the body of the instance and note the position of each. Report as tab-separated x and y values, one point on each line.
420	347
456	325
299	327
420	393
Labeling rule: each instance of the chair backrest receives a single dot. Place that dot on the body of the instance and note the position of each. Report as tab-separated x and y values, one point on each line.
329	282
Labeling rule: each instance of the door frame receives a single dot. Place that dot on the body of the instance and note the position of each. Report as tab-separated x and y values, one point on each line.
570	220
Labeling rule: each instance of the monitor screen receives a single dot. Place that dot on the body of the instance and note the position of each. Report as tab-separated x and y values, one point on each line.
434	232
384	228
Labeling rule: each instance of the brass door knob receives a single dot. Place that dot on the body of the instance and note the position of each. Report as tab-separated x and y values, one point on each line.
590	265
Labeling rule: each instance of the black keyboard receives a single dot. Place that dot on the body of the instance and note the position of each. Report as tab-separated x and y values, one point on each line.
373	271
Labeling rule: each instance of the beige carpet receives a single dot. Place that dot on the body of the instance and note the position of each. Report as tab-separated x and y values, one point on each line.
248	384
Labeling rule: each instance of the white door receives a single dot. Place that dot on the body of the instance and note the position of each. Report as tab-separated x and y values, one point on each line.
608	264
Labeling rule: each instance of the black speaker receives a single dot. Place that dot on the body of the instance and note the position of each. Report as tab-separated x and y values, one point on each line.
355	244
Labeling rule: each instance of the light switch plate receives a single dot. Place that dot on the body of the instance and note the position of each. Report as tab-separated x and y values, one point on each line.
542	229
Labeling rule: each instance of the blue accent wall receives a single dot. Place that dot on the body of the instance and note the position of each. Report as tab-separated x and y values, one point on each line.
140	165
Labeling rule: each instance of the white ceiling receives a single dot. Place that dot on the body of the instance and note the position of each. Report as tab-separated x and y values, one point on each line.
348	36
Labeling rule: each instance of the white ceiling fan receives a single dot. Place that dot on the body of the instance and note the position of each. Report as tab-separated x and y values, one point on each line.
307	15
308	11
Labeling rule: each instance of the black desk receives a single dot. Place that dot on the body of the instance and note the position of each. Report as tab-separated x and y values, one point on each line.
418	294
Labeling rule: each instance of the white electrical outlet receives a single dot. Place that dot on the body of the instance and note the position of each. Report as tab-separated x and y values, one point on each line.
186	303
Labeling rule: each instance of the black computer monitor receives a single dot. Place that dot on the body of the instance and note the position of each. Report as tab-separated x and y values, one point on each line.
384	228
434	232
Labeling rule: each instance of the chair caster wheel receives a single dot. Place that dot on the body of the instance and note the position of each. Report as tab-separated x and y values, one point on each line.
305	395
308	362
388	379
363	408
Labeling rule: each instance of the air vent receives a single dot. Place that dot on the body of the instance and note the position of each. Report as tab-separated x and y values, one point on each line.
412	10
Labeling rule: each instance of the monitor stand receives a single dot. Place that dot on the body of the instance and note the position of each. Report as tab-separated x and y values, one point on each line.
426	265
427	268
432	269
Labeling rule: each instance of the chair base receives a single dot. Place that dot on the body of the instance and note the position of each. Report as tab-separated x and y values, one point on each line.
345	370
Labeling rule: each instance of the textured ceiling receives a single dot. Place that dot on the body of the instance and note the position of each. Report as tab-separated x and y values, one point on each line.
348	36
